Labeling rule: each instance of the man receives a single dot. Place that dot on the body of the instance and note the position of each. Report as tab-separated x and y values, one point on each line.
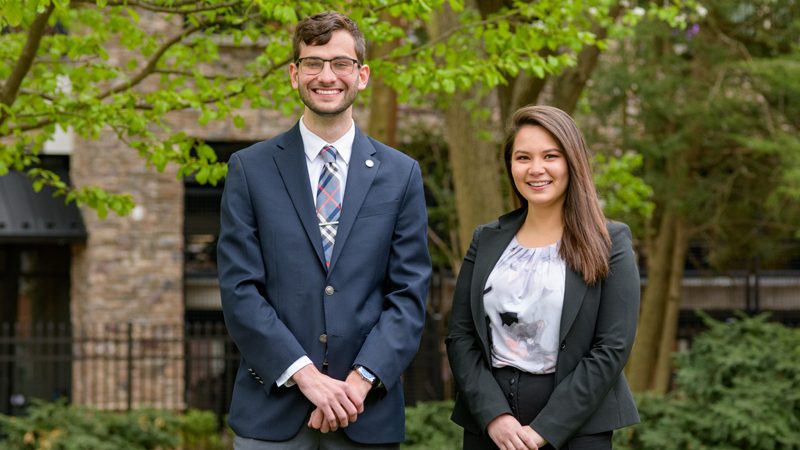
323	264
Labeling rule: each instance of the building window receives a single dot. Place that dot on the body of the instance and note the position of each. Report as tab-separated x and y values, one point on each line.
201	230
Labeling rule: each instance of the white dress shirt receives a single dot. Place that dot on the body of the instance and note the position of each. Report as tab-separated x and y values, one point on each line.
523	298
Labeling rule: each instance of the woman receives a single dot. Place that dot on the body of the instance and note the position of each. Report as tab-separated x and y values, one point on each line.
546	304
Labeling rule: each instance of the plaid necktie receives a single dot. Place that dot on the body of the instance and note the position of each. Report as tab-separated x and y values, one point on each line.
329	200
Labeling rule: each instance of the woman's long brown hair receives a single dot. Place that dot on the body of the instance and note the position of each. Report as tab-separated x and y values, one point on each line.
585	244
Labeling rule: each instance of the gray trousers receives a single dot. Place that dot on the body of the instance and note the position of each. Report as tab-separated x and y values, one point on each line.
310	439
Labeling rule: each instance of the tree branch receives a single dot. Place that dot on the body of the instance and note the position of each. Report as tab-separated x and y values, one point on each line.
35	126
186	73
570	84
175	8
146	107
151	63
390	5
47	97
150	67
446	35
22	67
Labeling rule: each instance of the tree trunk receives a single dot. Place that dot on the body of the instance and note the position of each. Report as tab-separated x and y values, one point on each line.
520	91
476	167
669	328
645	348
383	103
475	161
383	113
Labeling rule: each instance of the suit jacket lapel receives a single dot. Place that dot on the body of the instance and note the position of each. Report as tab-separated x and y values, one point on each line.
291	162
359	180
574	292
492	242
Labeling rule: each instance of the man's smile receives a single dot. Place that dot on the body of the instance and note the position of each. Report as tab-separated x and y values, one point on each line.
328	91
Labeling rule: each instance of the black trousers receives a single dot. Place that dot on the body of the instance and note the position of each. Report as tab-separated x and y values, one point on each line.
526	395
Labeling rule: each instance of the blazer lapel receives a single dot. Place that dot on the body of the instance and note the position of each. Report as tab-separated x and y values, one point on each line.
574	292
359	179
492	242
291	162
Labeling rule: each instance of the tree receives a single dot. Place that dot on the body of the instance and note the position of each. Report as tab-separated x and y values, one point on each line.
711	110
57	73
492	57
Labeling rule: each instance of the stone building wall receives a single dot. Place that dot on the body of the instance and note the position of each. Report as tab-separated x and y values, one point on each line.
130	270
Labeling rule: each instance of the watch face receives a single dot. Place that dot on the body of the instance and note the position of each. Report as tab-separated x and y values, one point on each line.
366	374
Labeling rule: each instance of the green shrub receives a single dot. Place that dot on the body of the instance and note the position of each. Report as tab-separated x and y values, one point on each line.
58	426
428	427
738	387
199	430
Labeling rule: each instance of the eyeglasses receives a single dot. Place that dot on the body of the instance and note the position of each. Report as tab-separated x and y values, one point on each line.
341	66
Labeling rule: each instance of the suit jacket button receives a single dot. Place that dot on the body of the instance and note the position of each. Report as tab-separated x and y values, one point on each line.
563	345
323	338
329	290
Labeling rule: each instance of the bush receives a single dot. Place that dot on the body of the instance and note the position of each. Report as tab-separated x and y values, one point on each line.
58	426
737	387
428	427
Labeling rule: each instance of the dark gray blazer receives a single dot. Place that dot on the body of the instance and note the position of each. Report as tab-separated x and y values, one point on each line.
598	324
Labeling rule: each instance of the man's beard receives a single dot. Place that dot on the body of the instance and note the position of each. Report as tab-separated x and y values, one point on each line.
346	103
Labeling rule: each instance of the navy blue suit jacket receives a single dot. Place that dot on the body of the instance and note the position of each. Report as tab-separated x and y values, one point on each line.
280	303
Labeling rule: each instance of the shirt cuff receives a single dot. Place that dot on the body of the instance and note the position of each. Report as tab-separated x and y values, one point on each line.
286	377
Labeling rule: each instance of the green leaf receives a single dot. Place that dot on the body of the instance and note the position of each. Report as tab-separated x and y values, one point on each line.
448	85
11	12
202	175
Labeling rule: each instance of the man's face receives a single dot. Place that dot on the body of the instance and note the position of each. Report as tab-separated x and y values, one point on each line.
327	94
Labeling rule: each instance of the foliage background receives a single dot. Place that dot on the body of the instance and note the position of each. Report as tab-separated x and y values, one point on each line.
736	388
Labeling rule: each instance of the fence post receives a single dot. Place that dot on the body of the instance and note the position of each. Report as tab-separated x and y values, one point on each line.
757	287
130	366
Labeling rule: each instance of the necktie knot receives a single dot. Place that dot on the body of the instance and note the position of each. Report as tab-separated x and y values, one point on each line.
328	154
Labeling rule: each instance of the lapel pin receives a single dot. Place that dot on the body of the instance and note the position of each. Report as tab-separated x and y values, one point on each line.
369	163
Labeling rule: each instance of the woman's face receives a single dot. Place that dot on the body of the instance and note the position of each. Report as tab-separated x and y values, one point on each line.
539	167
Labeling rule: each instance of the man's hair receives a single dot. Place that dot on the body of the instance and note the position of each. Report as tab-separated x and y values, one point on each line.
585	244
317	30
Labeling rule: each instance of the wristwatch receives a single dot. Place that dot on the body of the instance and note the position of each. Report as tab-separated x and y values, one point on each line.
366	375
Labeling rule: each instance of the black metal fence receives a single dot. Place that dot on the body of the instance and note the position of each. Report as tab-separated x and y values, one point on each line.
117	366
132	365
723	296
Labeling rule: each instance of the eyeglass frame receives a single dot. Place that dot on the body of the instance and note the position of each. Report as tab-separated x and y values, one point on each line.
299	64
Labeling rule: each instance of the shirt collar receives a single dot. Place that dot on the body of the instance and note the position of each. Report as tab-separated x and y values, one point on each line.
313	144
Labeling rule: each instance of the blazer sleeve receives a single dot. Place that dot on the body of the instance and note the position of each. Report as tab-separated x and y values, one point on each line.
263	340
471	371
577	396
394	340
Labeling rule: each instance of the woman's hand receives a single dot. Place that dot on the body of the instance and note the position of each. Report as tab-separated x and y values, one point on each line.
537	438
508	434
